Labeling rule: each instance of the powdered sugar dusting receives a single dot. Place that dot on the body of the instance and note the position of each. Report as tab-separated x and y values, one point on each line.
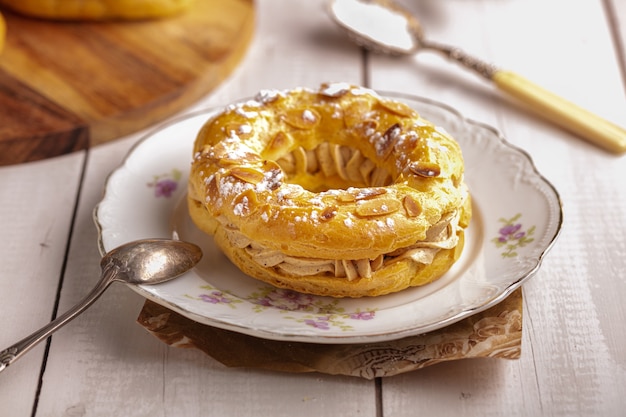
308	116
245	113
267	96
335	89
242	207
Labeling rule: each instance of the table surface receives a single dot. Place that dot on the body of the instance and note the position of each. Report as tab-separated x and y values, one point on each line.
573	360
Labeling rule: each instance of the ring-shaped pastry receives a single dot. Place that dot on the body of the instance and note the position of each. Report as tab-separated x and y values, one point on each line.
3	31
97	9
336	192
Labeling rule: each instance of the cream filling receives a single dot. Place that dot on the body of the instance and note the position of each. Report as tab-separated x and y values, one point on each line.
333	159
442	235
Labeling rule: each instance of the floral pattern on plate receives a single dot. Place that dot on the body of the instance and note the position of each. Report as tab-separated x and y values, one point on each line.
512	236
321	314
165	184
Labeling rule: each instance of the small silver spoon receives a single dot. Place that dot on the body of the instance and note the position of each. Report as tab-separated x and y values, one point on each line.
383	26
149	261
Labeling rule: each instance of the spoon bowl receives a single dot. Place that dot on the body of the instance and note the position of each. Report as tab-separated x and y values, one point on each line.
151	261
145	262
383	26
380	26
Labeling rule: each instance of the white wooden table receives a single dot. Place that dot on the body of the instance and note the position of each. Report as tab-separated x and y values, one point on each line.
573	359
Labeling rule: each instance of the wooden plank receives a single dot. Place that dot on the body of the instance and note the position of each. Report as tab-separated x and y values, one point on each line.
118	77
616	11
570	311
110	364
33	127
37	201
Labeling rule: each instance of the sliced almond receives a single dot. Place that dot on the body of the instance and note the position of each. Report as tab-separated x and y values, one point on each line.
302	118
272	175
387	141
279	142
346	197
245	203
247	174
355	111
368	127
411	206
217	152
367	193
425	169
358	194
226	156
334	89
328	213
212	185
228	162
289	191
398	108
377	207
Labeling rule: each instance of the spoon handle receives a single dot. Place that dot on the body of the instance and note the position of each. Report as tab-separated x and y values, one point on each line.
555	109
562	112
14	352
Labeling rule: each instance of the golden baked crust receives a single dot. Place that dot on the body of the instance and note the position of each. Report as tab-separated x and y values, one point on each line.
334	192
3	29
97	9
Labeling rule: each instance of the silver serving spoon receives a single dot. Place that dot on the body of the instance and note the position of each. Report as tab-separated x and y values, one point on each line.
383	26
149	261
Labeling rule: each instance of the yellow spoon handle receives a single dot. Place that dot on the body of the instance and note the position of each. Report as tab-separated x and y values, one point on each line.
562	112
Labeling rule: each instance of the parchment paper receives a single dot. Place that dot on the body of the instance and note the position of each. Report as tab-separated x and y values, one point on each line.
496	332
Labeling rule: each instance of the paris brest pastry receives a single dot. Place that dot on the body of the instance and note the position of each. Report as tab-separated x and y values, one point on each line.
335	192
97	9
3	29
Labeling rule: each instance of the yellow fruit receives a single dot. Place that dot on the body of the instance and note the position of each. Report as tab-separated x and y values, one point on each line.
97	9
3	30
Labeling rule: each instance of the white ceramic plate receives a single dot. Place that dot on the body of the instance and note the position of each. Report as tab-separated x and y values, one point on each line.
517	217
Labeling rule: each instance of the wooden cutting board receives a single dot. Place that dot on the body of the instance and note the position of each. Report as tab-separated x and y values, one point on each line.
65	86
